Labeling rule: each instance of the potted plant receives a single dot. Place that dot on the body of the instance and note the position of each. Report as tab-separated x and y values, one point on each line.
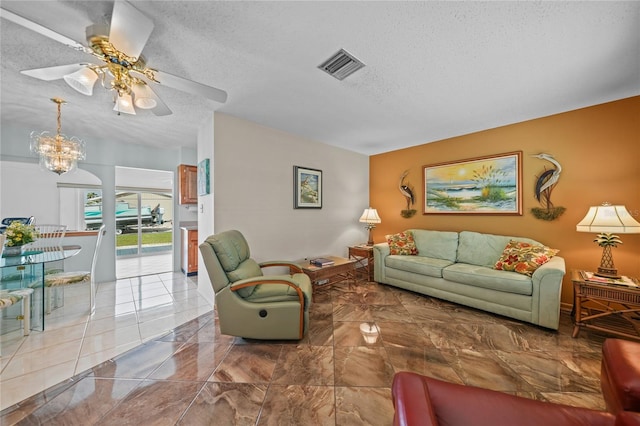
17	235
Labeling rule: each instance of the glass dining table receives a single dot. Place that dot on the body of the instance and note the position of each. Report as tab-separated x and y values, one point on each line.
28	271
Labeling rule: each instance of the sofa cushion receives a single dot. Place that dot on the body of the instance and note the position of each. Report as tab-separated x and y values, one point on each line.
483	249
402	243
480	276
524	258
436	244
417	264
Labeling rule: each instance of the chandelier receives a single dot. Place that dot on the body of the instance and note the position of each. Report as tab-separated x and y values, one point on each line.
57	153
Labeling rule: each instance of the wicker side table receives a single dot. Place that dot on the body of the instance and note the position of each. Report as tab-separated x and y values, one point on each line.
611	308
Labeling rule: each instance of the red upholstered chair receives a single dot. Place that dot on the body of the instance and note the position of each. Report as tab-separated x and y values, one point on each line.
424	401
620	375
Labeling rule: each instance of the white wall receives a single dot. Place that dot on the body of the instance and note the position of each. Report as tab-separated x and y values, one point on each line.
102	157
206	205
253	191
252	188
27	190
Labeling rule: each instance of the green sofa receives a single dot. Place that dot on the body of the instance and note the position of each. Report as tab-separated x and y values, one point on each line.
459	267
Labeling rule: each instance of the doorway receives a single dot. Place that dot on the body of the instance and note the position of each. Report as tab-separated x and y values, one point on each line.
144	222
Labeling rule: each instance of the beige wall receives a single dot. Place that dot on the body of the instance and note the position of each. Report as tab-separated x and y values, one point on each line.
598	148
253	191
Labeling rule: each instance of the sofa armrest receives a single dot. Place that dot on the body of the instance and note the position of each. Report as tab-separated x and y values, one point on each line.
380	252
455	404
411	401
547	291
554	269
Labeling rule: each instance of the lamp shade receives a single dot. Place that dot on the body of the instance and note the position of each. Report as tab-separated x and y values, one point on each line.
144	97
124	103
370	216
608	219
82	80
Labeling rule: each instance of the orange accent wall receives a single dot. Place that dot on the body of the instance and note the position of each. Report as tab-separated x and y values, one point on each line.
598	148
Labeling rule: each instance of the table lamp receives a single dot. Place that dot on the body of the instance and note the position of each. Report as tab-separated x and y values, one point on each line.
370	218
605	220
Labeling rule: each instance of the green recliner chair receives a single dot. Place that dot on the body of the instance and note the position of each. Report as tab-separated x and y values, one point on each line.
250	304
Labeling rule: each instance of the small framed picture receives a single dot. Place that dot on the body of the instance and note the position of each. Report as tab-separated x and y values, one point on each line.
203	177
307	188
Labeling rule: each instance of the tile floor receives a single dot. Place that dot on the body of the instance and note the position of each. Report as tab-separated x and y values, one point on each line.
129	312
134	266
337	375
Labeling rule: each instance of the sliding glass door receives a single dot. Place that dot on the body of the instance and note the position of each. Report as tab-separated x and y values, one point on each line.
143	222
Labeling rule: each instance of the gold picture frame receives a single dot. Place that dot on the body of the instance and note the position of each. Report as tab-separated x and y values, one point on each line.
482	185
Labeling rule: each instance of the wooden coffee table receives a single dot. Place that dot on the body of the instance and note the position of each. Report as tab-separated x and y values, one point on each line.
343	269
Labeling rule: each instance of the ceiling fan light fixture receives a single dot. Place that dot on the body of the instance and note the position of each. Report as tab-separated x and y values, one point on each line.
143	97
116	49
124	103
145	103
82	80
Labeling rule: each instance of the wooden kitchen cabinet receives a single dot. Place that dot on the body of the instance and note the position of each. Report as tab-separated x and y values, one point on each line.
189	262
188	184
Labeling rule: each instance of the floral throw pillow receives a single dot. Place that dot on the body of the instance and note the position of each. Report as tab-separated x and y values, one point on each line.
524	258
402	243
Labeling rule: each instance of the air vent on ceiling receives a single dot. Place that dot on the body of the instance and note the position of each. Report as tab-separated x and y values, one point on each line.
341	65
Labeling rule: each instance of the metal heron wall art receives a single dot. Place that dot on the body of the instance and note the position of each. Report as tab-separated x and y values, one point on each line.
545	183
407	192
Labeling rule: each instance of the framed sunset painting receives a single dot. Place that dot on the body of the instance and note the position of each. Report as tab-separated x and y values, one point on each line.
483	185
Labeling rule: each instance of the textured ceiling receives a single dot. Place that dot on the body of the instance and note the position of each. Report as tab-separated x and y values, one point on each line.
433	69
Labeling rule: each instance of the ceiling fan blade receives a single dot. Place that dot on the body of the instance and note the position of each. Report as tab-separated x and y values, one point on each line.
53	73
190	86
30	25
130	29
161	110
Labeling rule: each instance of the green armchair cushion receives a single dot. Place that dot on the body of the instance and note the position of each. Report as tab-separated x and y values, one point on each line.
231	250
247	269
265	293
233	253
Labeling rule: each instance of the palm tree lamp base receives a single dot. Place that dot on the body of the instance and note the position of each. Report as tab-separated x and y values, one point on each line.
607	269
607	273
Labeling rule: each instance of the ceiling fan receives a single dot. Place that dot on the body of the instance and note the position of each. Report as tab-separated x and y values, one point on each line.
120	66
